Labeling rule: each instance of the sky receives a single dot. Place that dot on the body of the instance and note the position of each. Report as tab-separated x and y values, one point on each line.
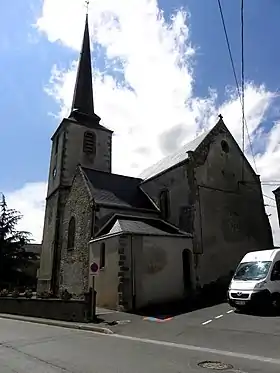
161	76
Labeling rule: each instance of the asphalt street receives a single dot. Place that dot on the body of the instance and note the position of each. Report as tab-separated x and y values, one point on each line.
249	344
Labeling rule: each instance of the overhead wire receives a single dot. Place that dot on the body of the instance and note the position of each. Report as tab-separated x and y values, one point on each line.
242	83
241	96
240	91
265	195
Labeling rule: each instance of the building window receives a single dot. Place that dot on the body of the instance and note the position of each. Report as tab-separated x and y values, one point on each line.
102	255
89	146
164	203
275	274
71	234
185	215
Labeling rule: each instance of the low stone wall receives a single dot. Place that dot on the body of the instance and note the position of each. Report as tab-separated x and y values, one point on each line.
56	309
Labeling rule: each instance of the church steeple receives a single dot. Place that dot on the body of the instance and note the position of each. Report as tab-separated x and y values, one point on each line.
83	94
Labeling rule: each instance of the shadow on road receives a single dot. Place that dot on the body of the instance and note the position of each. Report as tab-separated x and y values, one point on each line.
177	308
160	311
265	312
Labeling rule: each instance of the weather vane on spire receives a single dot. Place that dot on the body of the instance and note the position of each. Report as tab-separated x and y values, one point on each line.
87	5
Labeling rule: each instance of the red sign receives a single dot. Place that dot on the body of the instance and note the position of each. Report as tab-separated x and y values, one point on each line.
94	268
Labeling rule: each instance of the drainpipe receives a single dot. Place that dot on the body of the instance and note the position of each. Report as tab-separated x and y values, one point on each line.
95	209
132	262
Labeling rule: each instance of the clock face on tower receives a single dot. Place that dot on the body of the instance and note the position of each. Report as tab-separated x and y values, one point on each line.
54	172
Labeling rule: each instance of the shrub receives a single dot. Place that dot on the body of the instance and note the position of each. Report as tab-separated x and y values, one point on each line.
28	293
4	293
65	295
45	294
15	293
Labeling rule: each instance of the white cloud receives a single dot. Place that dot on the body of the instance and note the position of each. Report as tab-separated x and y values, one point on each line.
155	58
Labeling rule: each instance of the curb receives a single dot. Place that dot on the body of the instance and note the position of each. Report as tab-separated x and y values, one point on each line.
62	324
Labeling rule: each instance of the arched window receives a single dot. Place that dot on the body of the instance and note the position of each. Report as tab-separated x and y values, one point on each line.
71	234
102	255
185	218
89	145
164	203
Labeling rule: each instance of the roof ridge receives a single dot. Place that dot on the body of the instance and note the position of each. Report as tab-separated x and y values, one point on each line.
180	155
111	173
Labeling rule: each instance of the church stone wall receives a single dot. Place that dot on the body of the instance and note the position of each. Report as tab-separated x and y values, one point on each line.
56	161
229	218
105	211
74	262
176	182
277	200
141	270
158	269
46	260
106	283
74	154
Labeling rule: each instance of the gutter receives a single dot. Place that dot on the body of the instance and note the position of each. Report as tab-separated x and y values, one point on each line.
139	234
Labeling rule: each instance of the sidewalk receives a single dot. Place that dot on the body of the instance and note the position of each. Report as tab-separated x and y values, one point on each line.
64	324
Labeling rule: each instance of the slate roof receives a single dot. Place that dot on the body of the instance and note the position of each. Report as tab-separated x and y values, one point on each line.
139	225
116	190
174	158
132	226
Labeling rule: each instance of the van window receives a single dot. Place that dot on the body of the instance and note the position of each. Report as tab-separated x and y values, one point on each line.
252	271
275	274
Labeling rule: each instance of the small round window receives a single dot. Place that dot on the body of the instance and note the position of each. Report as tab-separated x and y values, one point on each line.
225	146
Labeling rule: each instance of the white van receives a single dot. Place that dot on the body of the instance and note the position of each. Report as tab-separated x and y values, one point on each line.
256	281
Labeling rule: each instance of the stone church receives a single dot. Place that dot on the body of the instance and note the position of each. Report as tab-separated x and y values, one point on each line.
185	223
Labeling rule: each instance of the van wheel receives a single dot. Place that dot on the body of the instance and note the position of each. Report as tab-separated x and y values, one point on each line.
275	301
239	309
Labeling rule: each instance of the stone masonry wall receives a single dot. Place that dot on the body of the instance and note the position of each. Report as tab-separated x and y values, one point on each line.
277	200
176	181
125	287
229	214
45	271
74	263
74	154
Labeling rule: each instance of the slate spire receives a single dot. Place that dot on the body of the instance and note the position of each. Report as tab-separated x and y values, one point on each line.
83	94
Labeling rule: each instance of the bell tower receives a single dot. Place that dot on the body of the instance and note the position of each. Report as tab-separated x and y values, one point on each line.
79	139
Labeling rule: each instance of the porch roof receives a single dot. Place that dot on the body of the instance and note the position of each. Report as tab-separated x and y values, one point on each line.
139	225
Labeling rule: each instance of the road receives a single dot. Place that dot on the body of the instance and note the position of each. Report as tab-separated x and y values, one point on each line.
217	327
249	343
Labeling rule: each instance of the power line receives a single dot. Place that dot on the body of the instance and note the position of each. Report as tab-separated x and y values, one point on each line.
244	122
270	205
242	84
265	182
272	183
229	48
265	195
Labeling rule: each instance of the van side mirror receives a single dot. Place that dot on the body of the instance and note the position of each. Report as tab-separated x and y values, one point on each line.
275	275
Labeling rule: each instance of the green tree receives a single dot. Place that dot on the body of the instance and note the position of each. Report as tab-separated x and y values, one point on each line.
12	242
